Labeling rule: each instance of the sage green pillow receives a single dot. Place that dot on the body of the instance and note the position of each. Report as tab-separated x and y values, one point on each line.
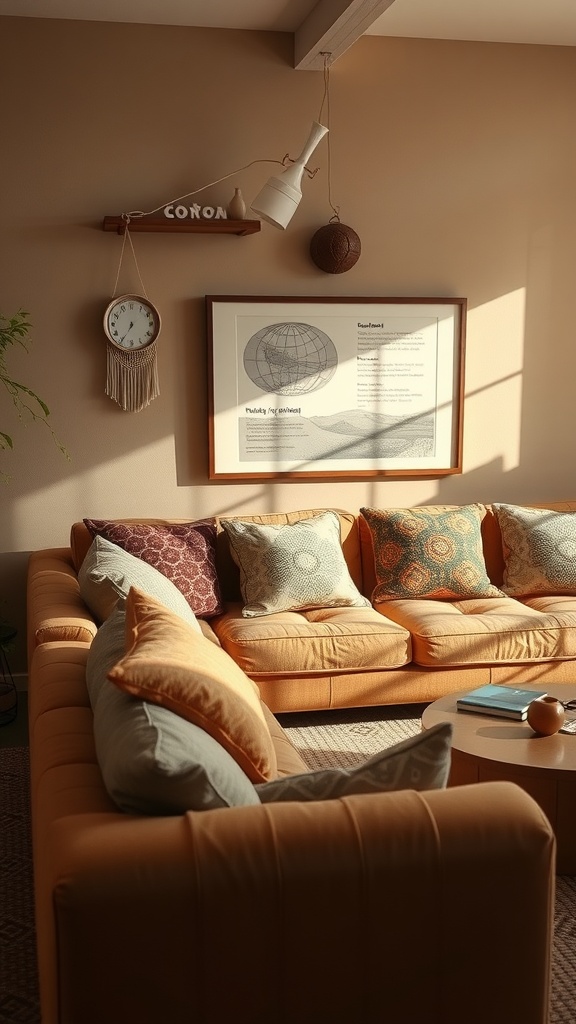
108	572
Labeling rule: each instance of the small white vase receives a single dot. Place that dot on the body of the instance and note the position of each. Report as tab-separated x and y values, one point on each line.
236	208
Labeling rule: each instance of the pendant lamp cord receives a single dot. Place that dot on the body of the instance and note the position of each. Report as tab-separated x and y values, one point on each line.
326	102
128	236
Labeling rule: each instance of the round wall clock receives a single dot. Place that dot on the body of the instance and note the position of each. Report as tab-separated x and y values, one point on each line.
132	325
131	322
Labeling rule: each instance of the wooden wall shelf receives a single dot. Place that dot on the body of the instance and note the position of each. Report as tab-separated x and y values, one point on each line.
207	227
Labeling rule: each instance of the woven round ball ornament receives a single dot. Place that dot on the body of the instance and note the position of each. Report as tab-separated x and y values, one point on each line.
335	248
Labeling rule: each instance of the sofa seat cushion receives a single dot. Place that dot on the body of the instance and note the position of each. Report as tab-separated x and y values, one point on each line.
316	640
483	631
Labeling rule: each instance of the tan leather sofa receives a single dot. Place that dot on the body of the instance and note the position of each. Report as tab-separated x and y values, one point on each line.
369	908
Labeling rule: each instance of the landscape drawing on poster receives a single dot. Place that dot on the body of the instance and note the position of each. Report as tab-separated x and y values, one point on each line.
337	389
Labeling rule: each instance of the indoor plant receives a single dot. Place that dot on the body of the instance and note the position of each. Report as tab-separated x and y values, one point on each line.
14	330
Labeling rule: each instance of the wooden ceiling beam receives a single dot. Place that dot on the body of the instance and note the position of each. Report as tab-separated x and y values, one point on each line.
332	27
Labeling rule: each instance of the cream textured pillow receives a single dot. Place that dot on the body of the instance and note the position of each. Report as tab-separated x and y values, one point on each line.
431	553
539	547
421	762
292	566
170	664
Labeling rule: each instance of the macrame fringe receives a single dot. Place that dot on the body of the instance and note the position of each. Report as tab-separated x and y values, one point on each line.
132	377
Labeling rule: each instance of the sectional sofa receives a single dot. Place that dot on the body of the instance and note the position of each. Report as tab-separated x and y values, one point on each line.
275	901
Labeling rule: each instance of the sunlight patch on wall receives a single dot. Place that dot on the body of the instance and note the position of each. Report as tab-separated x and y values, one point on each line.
494	367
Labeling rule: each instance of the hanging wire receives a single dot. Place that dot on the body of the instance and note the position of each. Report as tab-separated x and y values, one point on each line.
128	236
286	159
326	102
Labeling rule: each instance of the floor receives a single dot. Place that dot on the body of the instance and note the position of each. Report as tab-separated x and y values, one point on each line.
16	733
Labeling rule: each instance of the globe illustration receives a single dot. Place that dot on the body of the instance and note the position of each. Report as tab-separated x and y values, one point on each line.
290	359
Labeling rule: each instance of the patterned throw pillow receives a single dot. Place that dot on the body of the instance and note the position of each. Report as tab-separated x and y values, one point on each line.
184	552
291	566
539	548
421	762
428	553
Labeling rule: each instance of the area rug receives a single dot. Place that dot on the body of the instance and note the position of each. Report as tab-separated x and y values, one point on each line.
325	739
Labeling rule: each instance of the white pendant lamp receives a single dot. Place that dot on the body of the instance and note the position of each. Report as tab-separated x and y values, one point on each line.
278	200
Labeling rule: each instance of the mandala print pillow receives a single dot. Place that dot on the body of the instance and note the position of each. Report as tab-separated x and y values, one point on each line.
292	566
184	552
433	553
539	547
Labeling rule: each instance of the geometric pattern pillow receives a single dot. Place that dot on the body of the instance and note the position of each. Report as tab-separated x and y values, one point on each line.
539	547
184	552
292	566
421	762
428	553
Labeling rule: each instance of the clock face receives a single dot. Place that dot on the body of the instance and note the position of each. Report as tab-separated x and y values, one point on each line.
131	322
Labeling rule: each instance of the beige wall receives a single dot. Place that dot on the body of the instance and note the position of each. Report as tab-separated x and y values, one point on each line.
455	162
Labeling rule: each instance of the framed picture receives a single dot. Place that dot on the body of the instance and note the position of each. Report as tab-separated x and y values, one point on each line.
347	388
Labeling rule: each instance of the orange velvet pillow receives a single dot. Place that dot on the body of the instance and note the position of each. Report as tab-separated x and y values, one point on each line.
169	663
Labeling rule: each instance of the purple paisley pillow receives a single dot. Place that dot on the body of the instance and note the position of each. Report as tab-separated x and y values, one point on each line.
184	552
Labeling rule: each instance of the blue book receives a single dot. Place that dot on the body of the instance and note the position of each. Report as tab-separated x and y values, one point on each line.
505	701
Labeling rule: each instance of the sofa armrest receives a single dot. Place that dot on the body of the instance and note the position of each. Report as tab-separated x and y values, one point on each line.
381	906
55	609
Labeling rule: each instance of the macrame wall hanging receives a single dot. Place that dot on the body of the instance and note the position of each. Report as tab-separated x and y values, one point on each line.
132	325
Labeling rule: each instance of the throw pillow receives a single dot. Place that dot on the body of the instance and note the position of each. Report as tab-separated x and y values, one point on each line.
539	547
428	553
153	761
170	664
421	762
184	552
108	572
291	566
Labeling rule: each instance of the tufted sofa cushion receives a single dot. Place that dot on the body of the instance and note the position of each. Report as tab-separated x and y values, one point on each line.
320	639
482	631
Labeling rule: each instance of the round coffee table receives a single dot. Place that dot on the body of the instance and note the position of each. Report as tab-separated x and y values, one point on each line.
486	748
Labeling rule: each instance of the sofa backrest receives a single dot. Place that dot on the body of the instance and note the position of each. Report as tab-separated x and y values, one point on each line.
81	539
354	533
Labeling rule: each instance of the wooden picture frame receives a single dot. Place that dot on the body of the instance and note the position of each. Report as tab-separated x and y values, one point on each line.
334	388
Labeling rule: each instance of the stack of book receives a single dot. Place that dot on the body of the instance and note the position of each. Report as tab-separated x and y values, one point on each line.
504	701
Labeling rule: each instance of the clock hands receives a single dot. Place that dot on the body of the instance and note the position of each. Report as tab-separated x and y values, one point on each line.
127	332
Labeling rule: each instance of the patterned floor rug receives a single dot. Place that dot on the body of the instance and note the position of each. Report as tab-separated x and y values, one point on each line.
325	739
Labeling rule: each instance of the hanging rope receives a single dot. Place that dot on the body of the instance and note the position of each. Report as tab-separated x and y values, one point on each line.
326	102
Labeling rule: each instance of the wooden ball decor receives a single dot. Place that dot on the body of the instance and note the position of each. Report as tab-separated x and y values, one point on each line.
335	248
546	715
